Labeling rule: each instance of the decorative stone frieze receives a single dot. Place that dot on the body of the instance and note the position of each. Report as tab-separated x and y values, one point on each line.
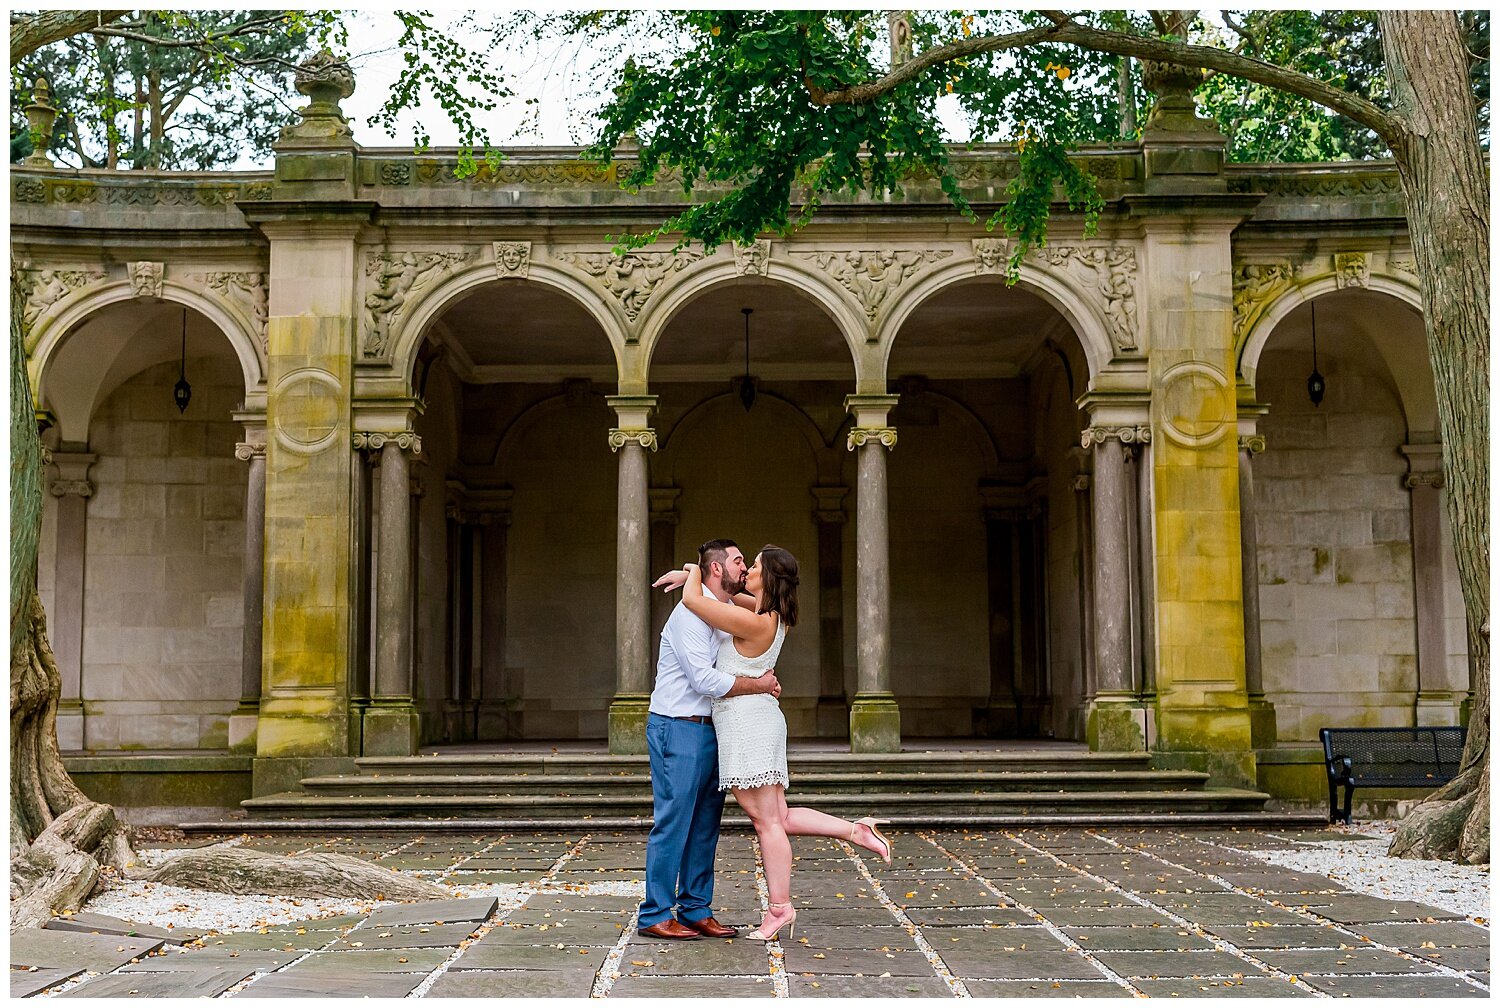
632	278
1255	286
1110	271
513	259
991	255
753	259
873	275
1127	434
1351	269
619	437
29	190
247	291
42	288
859	436
395	173
1402	264
376	440
1253	443
146	278
1433	478
395	277
71	488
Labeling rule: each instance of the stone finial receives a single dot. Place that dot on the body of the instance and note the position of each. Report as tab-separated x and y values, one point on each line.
40	115
326	80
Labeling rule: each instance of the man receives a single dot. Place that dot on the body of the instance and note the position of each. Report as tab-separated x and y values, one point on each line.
686	801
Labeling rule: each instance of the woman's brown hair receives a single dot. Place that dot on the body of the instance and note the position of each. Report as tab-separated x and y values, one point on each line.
778	570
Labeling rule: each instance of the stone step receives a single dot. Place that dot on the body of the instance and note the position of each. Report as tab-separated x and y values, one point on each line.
579	808
798	762
639	783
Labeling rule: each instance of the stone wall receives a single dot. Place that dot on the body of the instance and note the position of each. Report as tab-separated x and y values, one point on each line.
164	562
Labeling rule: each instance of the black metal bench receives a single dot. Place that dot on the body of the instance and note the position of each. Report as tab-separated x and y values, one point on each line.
1388	757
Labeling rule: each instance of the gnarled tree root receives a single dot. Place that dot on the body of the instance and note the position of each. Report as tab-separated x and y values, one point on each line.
228	869
62	866
1452	824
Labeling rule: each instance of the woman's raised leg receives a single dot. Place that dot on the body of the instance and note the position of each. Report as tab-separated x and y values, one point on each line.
803	821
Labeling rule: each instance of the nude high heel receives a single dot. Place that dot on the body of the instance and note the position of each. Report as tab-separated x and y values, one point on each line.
790	924
873	825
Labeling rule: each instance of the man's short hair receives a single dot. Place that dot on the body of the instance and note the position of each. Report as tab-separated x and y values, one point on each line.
715	551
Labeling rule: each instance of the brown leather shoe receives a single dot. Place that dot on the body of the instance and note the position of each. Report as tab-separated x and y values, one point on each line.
710	928
669	930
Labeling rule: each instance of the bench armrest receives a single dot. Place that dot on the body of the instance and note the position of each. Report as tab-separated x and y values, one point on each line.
1340	769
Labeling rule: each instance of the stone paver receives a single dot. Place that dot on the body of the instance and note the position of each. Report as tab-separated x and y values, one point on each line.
1034	913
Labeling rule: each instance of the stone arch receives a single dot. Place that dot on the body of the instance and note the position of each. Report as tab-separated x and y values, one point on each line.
708	272
1416	390
818	446
1051	286
533	413
985	438
55	325
410	330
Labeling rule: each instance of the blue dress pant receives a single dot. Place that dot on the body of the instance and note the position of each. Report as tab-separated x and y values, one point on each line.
687	805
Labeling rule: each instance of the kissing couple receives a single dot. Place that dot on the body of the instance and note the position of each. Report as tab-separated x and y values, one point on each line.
715	726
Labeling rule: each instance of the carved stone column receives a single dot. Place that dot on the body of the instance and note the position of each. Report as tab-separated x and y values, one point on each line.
630	441
391	721
72	490
1441	695
832	719
663	558
1084	516
1117	719
1262	713
874	717
245	717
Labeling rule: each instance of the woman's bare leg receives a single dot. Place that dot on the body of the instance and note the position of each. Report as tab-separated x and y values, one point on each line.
766	808
810	822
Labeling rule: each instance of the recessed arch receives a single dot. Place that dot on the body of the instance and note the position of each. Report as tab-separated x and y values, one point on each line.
671	444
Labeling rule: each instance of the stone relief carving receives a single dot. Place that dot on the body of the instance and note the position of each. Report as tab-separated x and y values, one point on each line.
753	259
395	277
1402	264
376	440
247	450
146	278
873	275
42	288
30	191
513	259
860	436
1255	286
395	173
634	277
1253	443
991	255
72	488
620	437
1128	434
248	292
1110	270
1433	478
1351	269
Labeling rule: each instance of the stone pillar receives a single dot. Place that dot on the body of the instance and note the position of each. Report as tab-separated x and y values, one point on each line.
1116	718
630	441
72	490
496	700
832	716
874	717
663	558
1441	695
245	717
1083	514
1262	713
391	721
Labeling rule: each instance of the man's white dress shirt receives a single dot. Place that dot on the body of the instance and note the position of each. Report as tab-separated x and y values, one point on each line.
687	679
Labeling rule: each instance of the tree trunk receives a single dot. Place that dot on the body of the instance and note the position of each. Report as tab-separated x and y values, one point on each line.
1448	212
228	869
29	32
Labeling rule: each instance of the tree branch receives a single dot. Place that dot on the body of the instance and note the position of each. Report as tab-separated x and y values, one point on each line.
1065	30
29	32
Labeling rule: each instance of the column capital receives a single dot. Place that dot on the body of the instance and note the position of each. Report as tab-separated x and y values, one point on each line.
376	440
619	437
247	450
1253	443
1436	480
1126	434
72	474
860	436
633	411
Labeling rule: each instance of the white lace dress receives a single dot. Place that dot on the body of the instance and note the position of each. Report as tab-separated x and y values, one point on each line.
750	728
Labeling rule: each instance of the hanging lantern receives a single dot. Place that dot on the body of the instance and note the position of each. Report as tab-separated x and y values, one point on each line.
182	392
1316	386
747	383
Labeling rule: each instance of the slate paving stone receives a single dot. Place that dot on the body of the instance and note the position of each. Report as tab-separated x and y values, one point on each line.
531	957
675	987
209	983
357	962
1216	916
454	911
572	931
845	962
1103	916
1281	936
277	940
1324	963
737	957
1388	987
1131	939
512	984
322	923
464	878
1046	989
993	940
421	936
96	923
26	982
799	986
1193	963
1468	959
1028	965
295	984
568	902
1248	987
1359	909
840	936
192	960
76	949
962	916
1442	935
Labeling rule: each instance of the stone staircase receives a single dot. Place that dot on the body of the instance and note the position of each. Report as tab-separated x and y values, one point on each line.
936	788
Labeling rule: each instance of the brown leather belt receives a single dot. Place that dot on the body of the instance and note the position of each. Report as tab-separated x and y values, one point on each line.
695	718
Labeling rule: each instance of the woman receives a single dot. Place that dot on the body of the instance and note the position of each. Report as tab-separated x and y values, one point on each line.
752	731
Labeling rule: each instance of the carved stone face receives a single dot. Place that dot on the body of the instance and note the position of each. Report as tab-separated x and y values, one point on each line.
512	255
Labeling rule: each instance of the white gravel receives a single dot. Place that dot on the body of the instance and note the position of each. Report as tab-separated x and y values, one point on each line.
1362	865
